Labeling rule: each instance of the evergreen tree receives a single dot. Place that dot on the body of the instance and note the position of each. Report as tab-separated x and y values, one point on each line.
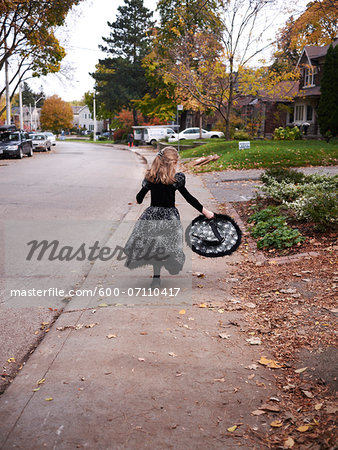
328	103
29	96
120	79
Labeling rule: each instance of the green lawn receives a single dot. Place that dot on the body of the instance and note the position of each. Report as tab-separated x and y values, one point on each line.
264	154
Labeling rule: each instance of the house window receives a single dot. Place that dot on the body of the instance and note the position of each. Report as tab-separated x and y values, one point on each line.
309	113
309	73
299	112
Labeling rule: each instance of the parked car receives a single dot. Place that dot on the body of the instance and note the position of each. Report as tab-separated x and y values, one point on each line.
41	142
194	133
51	137
15	143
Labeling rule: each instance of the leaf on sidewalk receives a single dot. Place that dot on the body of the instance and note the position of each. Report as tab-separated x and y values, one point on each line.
224	335
111	336
49	399
233	428
182	312
202	305
172	354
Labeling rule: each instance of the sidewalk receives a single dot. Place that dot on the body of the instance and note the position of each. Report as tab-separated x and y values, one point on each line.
145	376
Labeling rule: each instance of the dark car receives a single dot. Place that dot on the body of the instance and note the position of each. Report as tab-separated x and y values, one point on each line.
15	143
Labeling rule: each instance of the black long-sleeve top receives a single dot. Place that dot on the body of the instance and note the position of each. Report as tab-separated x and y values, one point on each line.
164	194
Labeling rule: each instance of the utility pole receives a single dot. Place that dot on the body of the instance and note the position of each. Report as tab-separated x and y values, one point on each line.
179	108
8	102
20	106
94	116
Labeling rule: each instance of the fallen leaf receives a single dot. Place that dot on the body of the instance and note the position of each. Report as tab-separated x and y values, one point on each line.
220	380
202	305
272	364
308	394
250	377
91	325
198	274
141	359
143	333
224	335
289	443
172	354
300	370
303	428
318	406
258	412
252	367
49	399
254	341
41	381
276	423
111	336
250	305
103	305
233	428
182	311
36	389
10	360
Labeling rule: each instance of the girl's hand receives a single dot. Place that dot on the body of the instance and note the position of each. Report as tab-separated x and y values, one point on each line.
208	214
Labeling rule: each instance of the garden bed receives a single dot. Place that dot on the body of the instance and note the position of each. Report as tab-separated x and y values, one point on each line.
314	239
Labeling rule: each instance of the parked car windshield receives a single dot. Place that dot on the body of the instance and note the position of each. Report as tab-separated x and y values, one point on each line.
8	137
38	137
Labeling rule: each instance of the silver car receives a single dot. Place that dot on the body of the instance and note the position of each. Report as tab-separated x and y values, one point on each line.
51	137
41	142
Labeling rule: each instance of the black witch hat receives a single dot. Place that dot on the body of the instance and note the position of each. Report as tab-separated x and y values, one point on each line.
214	237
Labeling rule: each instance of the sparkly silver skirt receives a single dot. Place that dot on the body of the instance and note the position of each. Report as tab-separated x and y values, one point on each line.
156	240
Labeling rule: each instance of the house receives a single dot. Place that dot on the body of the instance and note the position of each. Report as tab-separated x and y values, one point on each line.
31	117
292	103
263	113
310	63
83	119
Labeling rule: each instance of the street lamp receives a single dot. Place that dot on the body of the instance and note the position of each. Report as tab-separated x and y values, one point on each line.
179	108
35	112
94	116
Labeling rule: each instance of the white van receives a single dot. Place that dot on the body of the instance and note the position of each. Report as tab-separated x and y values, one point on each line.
152	134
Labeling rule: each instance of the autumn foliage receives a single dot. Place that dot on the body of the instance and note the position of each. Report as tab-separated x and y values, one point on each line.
56	115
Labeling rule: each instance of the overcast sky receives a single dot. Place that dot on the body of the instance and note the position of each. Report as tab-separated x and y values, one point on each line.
86	25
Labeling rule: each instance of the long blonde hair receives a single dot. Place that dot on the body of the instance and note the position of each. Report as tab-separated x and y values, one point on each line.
163	168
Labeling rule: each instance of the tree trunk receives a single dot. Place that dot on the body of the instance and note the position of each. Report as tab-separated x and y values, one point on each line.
135	117
200	125
229	104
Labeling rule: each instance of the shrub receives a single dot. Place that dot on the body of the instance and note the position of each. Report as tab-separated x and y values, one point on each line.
281	174
241	135
271	229
287	134
120	134
311	197
280	238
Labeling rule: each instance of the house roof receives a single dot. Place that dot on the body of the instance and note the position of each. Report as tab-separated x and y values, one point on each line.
77	109
315	51
309	92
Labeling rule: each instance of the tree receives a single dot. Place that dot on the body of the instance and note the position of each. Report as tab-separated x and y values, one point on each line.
328	103
27	37
56	115
29	97
120	79
211	61
317	25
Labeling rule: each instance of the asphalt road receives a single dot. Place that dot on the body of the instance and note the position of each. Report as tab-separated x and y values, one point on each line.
76	193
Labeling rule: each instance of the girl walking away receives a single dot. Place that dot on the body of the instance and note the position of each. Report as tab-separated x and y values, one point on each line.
157	238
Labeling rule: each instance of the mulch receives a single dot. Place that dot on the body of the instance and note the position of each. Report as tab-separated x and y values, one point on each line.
295	313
